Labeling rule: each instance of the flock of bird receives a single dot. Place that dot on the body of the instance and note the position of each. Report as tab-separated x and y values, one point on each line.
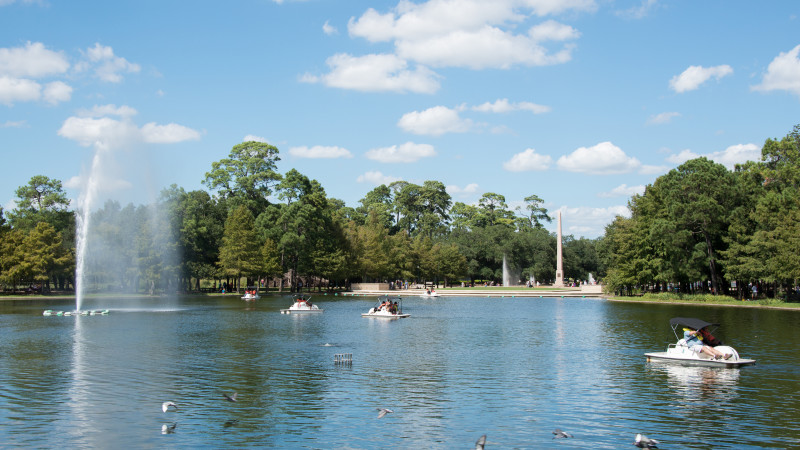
640	440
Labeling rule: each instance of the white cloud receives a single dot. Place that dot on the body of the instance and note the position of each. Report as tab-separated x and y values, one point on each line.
376	178
604	158
691	78
405	153
503	106
33	61
170	133
638	11
107	66
57	91
93	128
376	73
13	124
623	190
665	117
329	29
14	90
527	161
587	221
469	189
783	73
489	47
480	35
735	154
320	152
254	138
434	121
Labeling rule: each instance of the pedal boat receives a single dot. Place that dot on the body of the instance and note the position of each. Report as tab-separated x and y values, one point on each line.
681	354
302	305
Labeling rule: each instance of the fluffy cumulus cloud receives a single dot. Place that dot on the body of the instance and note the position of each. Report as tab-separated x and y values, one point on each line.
691	78
475	34
320	152
376	73
623	190
504	106
20	66
783	73
528	160
405	153
481	35
604	158
23	68
105	64
735	154
33	60
434	121
109	127
376	178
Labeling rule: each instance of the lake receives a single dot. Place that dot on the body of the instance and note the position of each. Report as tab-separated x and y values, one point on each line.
511	368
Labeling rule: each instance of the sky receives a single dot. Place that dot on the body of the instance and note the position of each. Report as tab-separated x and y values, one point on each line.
580	102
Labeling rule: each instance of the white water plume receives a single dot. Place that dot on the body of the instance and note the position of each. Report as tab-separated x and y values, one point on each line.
85	203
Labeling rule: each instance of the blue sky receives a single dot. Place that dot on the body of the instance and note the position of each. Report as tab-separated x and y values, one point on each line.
581	102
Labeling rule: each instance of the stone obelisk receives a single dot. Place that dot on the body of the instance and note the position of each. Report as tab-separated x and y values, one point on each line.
559	265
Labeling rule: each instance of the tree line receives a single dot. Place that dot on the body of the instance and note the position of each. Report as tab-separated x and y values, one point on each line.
702	227
254	224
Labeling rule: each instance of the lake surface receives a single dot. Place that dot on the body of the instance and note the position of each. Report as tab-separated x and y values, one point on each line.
511	368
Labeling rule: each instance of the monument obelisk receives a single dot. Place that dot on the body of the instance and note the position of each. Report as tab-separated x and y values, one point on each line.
559	265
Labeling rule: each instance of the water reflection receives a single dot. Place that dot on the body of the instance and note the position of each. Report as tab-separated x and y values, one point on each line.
693	383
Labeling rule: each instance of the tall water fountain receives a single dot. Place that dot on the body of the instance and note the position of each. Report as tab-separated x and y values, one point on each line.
85	203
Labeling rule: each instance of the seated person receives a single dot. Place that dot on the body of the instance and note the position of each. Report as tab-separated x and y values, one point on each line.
695	344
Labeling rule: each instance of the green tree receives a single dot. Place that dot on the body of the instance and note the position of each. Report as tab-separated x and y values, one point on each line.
247	176
240	253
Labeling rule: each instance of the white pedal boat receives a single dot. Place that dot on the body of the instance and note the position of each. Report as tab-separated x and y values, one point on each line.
388	308
681	354
250	294
302	305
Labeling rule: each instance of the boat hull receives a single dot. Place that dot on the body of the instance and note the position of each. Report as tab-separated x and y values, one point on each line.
695	361
301	311
386	316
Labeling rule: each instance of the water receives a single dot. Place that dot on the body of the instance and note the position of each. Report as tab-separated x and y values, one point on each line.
512	368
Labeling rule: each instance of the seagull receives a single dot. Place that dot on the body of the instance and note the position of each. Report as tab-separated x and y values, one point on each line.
480	442
168	428
165	406
643	441
560	434
230	398
383	412
231	423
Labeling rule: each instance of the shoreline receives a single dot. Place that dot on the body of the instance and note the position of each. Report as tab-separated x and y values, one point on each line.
451	292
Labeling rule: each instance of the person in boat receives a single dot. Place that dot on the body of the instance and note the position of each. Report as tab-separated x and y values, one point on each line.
393	308
694	341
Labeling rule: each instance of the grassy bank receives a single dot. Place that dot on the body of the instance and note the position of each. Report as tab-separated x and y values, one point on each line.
708	299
